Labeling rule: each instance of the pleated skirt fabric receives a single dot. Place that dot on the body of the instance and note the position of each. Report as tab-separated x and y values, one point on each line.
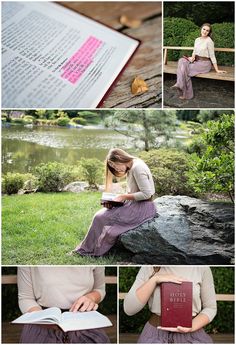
37	334
152	335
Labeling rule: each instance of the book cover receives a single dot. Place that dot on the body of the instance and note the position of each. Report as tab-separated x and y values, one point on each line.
53	57
176	304
67	321
109	198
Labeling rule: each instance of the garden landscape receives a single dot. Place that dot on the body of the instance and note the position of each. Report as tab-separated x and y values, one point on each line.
53	168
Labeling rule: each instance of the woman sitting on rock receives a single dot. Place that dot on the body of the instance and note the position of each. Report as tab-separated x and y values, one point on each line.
138	207
201	61
146	289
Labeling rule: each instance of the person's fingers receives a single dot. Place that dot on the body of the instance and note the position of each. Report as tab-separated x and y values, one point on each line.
95	307
84	306
77	304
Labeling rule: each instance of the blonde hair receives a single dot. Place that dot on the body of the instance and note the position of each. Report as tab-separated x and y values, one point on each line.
115	155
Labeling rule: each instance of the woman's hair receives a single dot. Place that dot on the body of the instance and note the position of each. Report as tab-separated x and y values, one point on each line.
210	27
115	156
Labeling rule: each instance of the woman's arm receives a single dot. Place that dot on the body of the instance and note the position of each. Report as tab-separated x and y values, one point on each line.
211	50
217	69
143	288
90	300
26	296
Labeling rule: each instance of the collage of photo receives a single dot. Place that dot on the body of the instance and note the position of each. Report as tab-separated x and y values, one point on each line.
118	172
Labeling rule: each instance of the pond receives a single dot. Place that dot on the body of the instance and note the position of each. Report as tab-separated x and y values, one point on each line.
24	148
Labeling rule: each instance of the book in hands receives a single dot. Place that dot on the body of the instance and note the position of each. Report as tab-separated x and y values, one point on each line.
176	304
109	198
53	57
67	321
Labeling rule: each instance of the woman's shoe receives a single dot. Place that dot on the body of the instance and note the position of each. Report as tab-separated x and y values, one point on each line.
174	86
72	253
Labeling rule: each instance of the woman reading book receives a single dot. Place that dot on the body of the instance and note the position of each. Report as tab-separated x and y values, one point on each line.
68	288
146	289
138	207
201	61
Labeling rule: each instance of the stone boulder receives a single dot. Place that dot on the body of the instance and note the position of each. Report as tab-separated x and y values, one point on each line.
185	231
76	187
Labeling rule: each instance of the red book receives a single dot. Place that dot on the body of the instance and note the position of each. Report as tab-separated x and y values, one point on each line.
176	304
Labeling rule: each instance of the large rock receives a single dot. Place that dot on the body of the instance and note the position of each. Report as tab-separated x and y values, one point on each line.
76	187
185	231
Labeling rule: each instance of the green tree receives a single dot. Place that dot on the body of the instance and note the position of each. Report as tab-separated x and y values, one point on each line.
92	171
150	127
212	169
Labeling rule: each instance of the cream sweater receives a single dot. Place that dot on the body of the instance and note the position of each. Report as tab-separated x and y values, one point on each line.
57	286
139	181
204	300
205	47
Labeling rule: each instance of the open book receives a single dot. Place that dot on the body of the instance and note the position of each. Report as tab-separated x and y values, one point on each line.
109	198
67	321
53	57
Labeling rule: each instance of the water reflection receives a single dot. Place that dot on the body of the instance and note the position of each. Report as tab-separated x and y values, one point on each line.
24	148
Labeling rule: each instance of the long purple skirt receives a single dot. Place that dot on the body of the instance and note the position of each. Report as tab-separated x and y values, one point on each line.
152	335
107	225
37	334
186	70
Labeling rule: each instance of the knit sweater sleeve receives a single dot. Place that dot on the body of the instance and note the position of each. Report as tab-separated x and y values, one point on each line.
211	51
132	304
26	297
208	298
99	281
144	182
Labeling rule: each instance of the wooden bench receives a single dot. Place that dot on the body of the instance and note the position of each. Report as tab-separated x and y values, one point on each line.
171	66
219	338
11	332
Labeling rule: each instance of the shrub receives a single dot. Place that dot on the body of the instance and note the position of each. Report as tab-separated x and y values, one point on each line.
169	168
12	182
18	121
79	121
53	176
92	171
28	119
175	30
63	121
223	35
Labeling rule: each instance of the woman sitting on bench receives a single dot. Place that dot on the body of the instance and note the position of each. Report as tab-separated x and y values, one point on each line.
202	58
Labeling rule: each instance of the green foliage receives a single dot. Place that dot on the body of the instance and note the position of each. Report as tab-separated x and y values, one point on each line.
211	169
79	121
175	31
53	176
169	168
28	119
89	116
19	121
62	121
12	182
92	171
148	128
200	11
223	36
205	115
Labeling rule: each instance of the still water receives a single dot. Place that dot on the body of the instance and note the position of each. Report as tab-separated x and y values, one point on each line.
24	148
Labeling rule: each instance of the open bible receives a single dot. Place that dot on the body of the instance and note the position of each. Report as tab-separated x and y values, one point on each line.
53	57
67	321
109	198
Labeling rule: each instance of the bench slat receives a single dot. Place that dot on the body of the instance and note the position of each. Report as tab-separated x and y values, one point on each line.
171	68
12	279
227	50
219	297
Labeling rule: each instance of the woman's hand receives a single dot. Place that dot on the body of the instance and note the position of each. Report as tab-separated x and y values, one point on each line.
178	329
107	204
120	198
191	59
221	71
170	278
84	303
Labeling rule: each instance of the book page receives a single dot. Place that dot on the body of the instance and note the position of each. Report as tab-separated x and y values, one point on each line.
109	196
53	57
83	320
47	316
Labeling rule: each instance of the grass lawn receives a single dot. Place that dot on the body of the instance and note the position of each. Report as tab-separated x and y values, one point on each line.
41	228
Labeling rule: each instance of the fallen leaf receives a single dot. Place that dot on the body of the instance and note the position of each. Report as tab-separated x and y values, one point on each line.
130	22
138	86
